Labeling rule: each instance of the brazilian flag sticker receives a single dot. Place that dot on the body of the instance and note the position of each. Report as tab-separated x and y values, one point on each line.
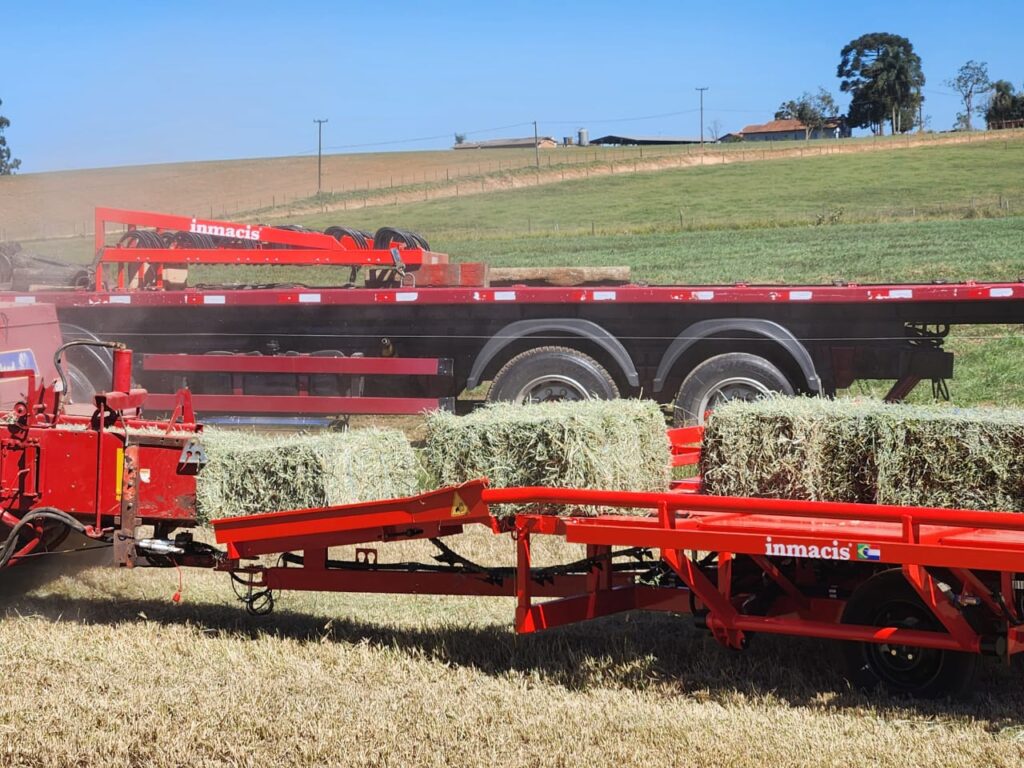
867	552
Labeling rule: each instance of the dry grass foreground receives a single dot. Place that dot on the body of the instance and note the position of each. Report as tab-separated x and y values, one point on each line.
101	669
61	204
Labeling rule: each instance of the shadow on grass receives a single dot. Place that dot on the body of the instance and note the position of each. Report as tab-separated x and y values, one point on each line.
633	651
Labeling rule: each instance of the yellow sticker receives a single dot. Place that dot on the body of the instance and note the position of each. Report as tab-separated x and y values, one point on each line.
459	508
119	480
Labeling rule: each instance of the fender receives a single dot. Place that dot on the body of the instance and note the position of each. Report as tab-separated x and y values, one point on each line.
583	328
766	328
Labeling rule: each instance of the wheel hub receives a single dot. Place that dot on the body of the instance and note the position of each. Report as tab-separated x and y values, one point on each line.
552	388
734	388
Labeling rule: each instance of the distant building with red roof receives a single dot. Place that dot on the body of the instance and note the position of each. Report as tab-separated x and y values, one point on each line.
792	129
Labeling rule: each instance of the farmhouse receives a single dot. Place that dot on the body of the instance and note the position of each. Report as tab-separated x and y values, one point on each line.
544	142
792	129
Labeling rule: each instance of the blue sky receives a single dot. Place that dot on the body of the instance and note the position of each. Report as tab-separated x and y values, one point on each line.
154	82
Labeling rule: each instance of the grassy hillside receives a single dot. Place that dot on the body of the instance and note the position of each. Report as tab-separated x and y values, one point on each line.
923	182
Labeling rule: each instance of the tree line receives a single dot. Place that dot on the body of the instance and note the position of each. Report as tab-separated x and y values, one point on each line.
884	77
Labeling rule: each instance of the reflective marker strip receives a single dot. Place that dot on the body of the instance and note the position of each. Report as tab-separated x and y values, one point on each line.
703	295
800	295
1000	293
504	295
119	300
604	295
214	300
901	293
309	298
407	296
24	299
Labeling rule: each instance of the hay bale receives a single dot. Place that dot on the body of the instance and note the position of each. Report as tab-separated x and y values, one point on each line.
866	451
941	457
249	473
791	448
606	444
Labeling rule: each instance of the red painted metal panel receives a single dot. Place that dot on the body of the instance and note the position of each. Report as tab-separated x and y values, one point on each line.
957	293
297	404
298	364
333	526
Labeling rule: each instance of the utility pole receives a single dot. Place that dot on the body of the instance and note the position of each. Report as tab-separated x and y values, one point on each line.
319	152
536	145
704	88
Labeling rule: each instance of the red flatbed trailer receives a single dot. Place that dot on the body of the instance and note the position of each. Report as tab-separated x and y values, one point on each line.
917	594
419	330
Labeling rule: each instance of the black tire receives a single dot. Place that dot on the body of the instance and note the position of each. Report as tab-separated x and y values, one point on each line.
732	376
552	373
886	599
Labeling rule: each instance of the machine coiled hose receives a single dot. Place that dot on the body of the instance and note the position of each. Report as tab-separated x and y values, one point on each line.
43	513
78	343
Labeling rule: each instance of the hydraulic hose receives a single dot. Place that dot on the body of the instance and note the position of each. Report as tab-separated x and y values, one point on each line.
43	513
78	343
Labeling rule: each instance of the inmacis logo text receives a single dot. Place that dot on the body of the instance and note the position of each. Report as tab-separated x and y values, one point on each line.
832	551
218	230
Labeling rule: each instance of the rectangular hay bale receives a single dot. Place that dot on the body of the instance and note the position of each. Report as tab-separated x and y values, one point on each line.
248	473
867	452
791	448
603	444
960	459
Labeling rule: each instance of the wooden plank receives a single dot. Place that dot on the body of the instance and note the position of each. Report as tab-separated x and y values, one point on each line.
559	276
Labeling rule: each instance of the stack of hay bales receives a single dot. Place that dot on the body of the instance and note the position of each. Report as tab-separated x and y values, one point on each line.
604	444
867	452
248	473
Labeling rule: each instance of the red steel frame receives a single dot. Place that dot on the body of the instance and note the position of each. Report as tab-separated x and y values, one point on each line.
682	522
300	248
302	366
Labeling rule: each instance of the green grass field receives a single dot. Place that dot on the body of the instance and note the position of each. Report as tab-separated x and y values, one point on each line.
926	182
102	669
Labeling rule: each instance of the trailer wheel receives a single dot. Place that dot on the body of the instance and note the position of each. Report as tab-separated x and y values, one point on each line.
552	373
732	376
88	369
887	600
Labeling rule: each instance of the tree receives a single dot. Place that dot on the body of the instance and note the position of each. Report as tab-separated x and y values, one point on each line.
8	165
971	80
715	130
460	138
1003	105
883	75
811	110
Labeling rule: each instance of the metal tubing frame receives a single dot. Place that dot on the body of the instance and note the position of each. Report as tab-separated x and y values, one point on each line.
290	247
913	539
